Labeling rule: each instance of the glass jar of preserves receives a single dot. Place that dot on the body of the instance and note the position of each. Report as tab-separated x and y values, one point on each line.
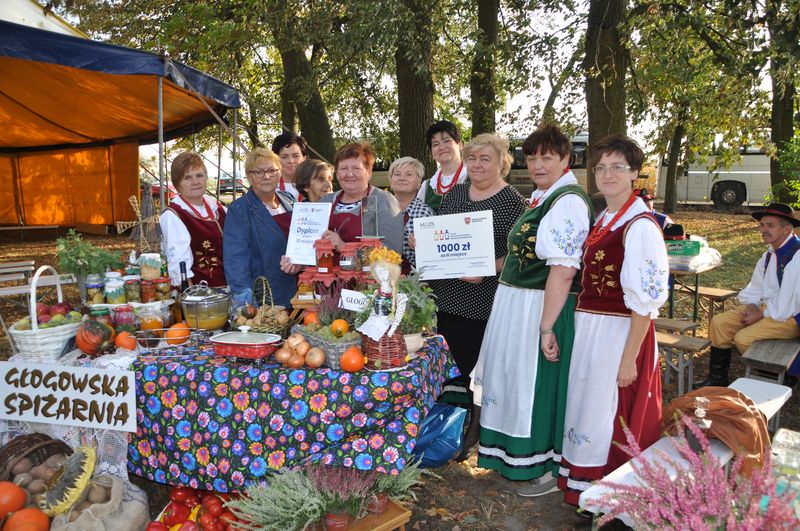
305	287
133	288
348	259
115	292
148	291
94	293
324	251
101	315
124	319
163	289
150	264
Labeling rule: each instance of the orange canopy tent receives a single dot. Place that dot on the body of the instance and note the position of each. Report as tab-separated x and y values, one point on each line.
73	113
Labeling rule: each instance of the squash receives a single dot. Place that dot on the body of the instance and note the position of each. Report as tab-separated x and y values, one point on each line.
12	497
30	519
94	337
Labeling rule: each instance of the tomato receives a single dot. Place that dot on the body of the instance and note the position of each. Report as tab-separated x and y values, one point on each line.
227	517
179	494
157	526
188	526
192	501
215	508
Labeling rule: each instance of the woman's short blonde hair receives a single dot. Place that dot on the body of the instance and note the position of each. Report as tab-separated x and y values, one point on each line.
256	155
498	143
403	161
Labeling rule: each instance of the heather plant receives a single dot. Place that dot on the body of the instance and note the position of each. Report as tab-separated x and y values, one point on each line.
400	487
289	500
343	490
701	496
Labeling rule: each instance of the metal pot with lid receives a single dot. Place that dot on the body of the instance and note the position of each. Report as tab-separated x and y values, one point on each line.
204	307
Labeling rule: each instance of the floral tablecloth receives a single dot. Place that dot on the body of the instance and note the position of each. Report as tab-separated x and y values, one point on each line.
214	423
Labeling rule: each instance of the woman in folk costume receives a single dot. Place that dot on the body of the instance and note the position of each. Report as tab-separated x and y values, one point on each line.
614	377
192	225
520	380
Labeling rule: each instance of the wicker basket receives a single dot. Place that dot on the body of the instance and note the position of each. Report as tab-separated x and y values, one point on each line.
333	351
389	352
35	446
42	344
271	326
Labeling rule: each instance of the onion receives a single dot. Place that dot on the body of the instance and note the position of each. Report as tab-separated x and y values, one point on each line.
315	357
282	355
302	348
295	362
293	340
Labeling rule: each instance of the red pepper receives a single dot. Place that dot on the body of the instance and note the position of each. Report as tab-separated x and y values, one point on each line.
176	513
157	526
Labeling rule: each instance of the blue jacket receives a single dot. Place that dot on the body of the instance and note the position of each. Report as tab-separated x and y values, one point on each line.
252	246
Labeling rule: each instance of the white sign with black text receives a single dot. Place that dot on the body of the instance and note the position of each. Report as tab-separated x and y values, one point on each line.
309	221
455	245
73	396
353	300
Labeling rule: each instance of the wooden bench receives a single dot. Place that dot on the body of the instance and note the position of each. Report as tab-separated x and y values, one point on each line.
715	298
679	353
768	360
769	398
678	326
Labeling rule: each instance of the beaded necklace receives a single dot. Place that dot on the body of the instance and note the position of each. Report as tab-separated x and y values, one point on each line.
441	189
600	231
196	212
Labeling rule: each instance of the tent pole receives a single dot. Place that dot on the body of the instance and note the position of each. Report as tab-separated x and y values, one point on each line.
235	151
219	157
161	140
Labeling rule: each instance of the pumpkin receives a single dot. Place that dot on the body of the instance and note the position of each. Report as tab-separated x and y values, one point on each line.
352	360
30	519
93	337
125	340
12	498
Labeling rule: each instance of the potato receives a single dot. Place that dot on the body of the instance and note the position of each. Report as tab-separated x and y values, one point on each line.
55	461
97	494
23	465
23	479
37	486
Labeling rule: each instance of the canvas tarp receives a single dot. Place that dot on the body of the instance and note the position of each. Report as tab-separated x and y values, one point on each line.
73	112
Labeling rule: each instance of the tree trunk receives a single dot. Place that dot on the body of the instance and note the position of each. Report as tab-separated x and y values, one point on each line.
482	90
301	87
782	130
671	188
415	85
288	111
251	127
604	66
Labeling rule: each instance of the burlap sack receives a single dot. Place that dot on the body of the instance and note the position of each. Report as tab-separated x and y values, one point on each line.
126	510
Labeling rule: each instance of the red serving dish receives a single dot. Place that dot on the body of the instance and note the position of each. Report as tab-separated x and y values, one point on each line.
250	345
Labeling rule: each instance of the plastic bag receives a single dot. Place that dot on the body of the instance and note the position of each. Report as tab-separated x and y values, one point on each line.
441	435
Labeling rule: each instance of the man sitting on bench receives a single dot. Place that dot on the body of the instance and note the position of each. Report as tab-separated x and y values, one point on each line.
770	304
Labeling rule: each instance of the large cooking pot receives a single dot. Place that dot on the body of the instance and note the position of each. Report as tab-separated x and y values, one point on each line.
204	307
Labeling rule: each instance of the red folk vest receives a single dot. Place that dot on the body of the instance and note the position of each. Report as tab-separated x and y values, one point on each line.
206	246
601	290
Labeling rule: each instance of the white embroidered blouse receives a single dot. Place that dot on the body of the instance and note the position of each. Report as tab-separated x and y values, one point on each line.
562	231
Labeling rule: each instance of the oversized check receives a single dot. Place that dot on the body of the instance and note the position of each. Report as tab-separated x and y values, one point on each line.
309	221
455	245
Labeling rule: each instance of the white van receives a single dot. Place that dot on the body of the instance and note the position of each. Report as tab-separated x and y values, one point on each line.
747	181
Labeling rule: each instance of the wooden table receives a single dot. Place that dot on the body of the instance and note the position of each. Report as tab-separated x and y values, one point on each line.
675	277
395	517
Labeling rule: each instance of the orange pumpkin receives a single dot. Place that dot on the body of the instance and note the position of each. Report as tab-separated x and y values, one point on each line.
30	519
125	340
339	327
352	360
310	317
94	337
12	497
178	333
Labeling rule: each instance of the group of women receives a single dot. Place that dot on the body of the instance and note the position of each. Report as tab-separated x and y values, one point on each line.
557	350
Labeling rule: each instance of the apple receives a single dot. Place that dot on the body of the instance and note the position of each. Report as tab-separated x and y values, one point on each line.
58	308
68	306
74	316
23	324
42	308
43	318
57	319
